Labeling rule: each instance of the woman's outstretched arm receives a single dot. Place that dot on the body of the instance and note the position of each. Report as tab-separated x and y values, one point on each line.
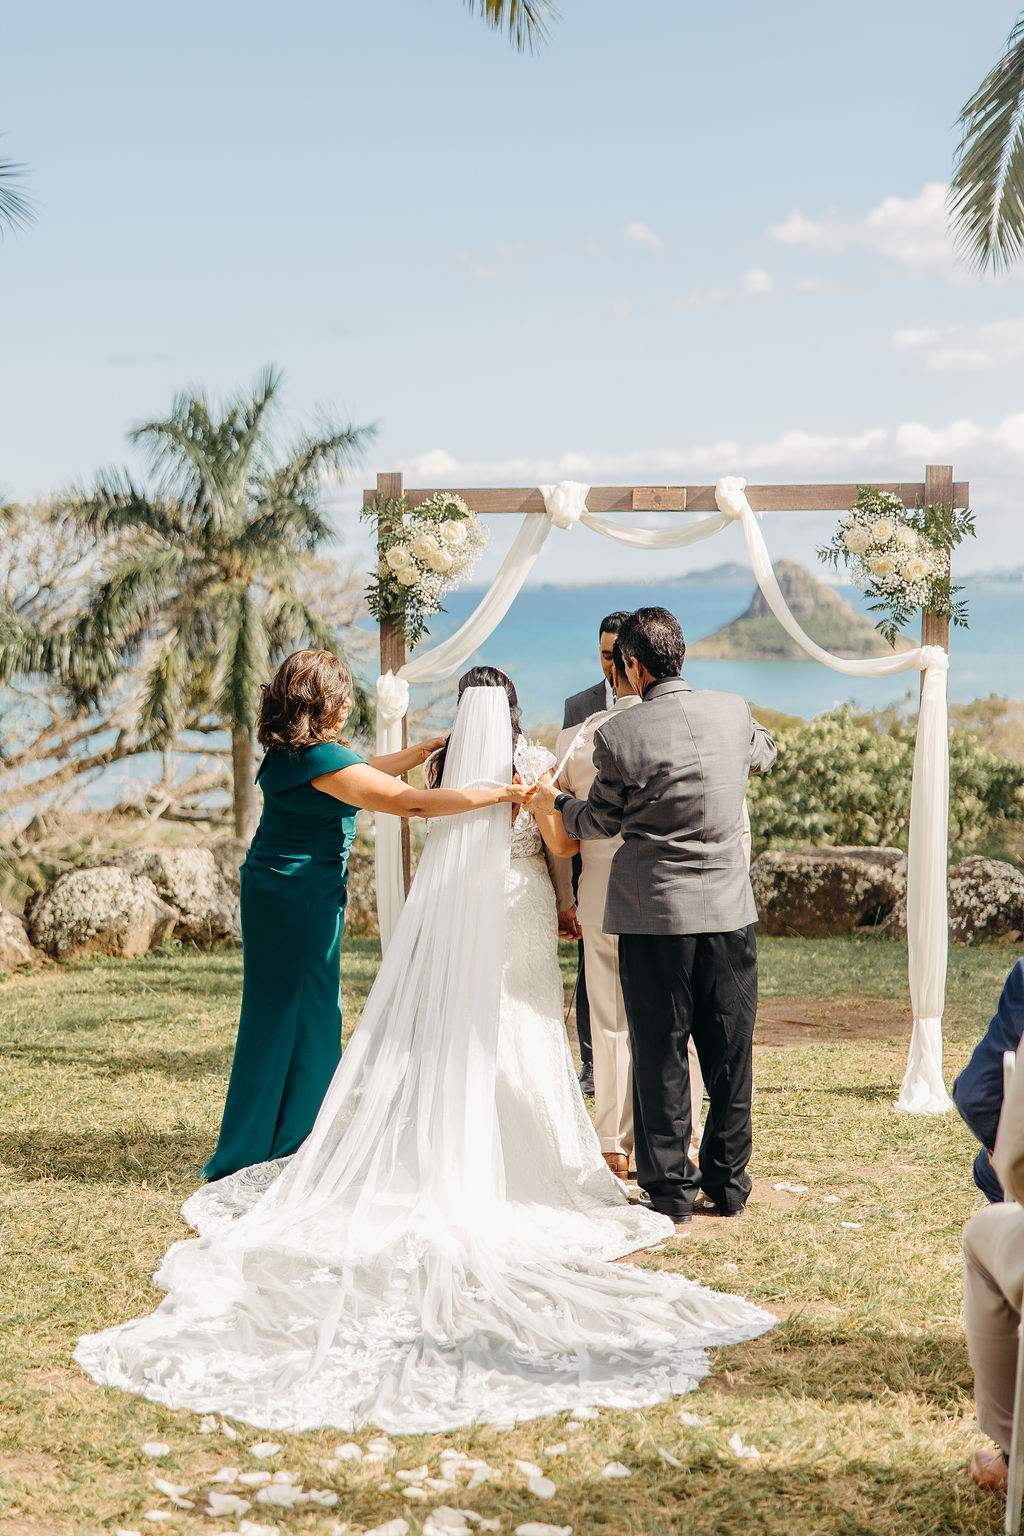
370	790
397	763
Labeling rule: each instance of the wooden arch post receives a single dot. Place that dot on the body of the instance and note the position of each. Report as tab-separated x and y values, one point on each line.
393	654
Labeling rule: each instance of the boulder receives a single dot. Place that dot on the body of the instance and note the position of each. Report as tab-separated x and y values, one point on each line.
361	912
99	911
825	890
188	879
986	901
16	948
228	854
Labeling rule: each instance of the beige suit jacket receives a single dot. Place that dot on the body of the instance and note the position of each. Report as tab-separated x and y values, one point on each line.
596	853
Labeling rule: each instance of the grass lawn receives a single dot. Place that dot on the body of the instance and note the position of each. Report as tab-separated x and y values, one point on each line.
860	1401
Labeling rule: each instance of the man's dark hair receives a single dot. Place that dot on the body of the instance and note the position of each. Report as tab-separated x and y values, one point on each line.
618	660
652	637
612	623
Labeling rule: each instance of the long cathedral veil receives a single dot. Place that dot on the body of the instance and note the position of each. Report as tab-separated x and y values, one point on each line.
383	1276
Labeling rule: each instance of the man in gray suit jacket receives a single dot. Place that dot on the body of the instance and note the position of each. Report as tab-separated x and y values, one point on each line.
671	779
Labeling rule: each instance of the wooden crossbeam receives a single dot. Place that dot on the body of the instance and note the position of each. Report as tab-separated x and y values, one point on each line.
496	500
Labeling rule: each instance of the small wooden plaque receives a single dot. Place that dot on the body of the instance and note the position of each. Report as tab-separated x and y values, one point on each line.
659	498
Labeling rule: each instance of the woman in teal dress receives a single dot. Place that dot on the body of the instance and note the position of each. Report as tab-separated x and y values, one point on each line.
293	886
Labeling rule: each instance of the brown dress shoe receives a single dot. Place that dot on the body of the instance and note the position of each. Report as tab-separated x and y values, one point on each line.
618	1162
989	1470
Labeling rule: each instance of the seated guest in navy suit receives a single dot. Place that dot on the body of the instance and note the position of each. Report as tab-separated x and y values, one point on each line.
978	1091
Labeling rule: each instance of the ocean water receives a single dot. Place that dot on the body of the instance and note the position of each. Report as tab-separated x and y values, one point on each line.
548	645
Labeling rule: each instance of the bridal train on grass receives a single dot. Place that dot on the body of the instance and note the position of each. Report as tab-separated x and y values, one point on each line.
438	1252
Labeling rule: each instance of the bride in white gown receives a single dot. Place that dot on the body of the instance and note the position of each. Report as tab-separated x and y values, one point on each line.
437	1252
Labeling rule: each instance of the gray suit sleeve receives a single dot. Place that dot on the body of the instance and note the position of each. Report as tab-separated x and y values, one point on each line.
763	750
600	815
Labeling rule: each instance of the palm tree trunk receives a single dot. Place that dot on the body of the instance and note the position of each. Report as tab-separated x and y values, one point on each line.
244	790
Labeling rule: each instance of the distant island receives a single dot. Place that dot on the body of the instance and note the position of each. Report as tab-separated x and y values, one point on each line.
758	635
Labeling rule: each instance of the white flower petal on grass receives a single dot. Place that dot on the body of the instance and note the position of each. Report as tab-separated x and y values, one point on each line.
414	1491
174	1491
573	1426
325	1497
852	1226
122	1532
228	1475
396	1527
480	1475
556	1450
411	1474
284	1495
329	1465
669	1459
264	1448
831	1200
440	1484
285	1477
690	1419
158	1514
380	1445
208	1424
448	1519
538	1528
541	1487
229	1433
226	1504
615	1469
156	1448
583	1412
488	1525
730	1269
528	1468
254	1479
744	1452
349	1451
252	1528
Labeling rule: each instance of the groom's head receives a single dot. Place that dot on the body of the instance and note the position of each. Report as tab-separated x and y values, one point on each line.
607	634
652	646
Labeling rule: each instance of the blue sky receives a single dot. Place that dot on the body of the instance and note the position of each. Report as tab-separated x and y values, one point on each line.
686	240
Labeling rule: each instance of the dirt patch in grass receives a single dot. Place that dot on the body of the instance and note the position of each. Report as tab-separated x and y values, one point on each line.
789	1022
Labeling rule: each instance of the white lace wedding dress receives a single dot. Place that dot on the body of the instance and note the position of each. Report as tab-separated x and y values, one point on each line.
437	1253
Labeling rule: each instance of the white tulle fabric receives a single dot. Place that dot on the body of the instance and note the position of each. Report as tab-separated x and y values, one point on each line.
437	1253
923	1090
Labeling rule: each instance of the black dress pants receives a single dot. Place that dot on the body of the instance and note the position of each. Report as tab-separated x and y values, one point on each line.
582	1002
675	986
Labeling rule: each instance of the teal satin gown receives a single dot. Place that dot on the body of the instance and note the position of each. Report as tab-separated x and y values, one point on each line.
293	912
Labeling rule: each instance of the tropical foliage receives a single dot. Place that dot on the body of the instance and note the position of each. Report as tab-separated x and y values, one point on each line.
986	198
525	21
842	779
16	208
197	579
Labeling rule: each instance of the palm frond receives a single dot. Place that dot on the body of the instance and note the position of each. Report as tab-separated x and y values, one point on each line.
131	596
986	196
192	457
116	502
312	457
16	208
244	660
27	651
525	21
177	680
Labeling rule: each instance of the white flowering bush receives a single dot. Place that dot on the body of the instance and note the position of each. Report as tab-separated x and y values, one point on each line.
423	554
900	557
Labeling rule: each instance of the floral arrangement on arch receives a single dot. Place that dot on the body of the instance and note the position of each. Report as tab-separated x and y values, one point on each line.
900	556
423	554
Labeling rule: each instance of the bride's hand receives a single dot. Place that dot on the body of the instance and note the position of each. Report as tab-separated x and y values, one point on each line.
519	793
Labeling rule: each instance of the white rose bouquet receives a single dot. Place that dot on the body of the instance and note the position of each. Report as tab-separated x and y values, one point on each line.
900	556
423	554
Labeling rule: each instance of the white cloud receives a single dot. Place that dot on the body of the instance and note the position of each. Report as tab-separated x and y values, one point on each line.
998	344
912	232
757	280
643	234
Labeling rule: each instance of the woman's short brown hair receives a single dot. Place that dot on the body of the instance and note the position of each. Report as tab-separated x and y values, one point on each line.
305	701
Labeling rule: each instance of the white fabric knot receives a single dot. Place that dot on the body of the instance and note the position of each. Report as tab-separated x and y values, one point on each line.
730	496
565	502
934	656
392	698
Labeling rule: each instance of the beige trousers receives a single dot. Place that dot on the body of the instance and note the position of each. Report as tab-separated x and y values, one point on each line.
993	1280
613	1064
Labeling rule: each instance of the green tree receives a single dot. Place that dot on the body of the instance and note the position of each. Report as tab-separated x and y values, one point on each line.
15	206
205	564
986	198
525	21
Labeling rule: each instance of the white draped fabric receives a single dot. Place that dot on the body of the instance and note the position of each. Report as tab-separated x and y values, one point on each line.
923	1090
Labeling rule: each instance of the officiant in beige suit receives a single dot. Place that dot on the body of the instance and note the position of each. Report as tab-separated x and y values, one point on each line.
613	1069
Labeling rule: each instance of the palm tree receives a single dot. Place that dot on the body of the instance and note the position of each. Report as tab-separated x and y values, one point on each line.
986	197
15	207
523	20
204	566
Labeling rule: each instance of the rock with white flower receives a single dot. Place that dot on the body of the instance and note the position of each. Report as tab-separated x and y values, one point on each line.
189	880
99	911
986	901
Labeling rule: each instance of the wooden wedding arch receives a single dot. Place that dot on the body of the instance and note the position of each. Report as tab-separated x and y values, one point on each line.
937	487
